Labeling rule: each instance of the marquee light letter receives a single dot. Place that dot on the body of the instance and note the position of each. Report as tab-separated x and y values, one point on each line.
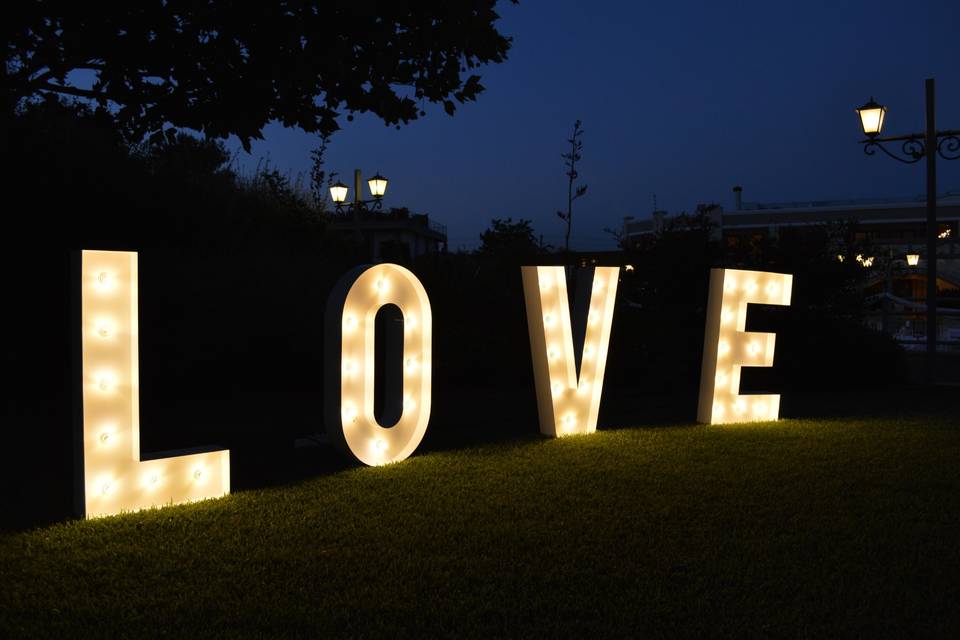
727	346
351	320
567	404
114	478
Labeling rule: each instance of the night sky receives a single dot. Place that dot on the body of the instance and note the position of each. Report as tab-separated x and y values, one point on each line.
680	99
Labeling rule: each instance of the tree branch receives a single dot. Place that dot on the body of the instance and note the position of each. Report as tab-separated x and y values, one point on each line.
73	91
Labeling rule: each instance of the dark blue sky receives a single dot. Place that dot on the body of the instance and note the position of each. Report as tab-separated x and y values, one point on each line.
683	99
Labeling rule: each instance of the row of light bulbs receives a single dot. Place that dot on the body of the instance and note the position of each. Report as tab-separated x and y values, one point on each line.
740	406
150	481
751	286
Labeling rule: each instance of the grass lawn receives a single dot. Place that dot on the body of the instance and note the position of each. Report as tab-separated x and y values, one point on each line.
808	528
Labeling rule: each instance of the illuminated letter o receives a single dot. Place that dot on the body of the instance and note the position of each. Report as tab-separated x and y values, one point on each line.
350	363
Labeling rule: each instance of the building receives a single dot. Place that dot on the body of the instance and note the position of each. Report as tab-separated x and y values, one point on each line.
394	235
888	229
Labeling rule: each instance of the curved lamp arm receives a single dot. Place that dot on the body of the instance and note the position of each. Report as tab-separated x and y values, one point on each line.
912	149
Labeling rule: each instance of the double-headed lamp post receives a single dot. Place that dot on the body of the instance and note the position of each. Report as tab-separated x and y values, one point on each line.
378	187
913	148
338	193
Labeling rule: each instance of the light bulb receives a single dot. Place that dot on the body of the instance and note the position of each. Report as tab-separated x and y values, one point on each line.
552	353
103	331
751	287
103	281
545	283
730	285
408	403
569	422
409	322
380	444
721	379
349	323
587	351
104	383
726	316
198	474
348	413
382	285
105	437
723	348
557	389
411	365
773	288
349	367
599	284
548	320
753	348
759	408
583	386
592	318
718	409
739	406
105	488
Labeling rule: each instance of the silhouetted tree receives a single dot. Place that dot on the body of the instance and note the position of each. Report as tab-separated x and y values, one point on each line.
506	239
570	161
229	68
320	182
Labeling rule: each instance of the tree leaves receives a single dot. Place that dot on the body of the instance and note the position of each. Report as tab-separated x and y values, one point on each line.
225	68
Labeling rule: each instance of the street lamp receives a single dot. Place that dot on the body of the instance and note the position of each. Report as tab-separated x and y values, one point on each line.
871	117
913	259
339	193
913	148
377	185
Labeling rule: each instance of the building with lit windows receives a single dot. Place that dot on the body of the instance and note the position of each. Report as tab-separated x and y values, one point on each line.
890	230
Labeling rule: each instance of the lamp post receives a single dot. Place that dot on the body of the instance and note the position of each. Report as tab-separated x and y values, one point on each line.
339	191
378	187
913	148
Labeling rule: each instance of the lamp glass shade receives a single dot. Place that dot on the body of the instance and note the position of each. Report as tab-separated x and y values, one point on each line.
871	117
378	186
339	192
913	259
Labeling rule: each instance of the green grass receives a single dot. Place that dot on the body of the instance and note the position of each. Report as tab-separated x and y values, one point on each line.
799	528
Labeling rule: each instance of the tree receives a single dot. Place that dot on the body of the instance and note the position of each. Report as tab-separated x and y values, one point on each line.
320	182
506	239
228	68
570	161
